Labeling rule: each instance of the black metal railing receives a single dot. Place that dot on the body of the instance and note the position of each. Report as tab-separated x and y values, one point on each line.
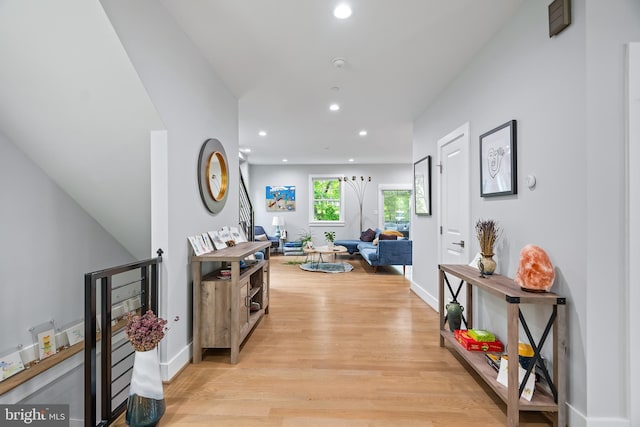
109	294
246	211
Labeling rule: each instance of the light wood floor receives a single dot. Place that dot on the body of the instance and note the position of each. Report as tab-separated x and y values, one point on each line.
350	349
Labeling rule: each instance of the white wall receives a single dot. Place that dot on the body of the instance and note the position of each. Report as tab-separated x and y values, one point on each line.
194	105
48	243
298	175
633	221
566	94
610	25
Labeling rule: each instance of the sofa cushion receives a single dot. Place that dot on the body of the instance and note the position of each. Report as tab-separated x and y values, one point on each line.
369	253
368	235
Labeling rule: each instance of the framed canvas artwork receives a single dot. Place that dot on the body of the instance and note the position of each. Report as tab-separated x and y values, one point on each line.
498	161
422	186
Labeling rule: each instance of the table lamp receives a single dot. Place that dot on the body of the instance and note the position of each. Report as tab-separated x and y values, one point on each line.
277	221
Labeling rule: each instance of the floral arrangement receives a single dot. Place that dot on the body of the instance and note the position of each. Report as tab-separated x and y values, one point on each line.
488	233
330	236
146	331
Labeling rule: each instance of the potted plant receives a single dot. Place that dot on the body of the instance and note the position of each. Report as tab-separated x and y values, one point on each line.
330	236
487	232
306	238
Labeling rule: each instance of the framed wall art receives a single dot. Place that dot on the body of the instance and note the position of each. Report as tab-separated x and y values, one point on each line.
422	186
280	198
498	161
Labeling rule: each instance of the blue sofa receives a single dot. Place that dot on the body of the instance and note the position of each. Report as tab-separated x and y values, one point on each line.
386	252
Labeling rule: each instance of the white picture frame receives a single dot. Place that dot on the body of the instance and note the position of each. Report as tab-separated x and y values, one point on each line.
75	333
217	240
503	378
237	235
10	364
207	242
46	343
197	245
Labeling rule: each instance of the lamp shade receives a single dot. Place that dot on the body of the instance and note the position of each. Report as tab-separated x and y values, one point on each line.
277	220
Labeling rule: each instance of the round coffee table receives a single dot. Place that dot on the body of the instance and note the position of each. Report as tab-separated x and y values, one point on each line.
323	250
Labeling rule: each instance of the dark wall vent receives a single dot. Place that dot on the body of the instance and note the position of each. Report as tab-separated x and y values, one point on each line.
559	16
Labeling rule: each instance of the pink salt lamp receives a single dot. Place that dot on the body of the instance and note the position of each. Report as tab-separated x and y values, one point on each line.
535	272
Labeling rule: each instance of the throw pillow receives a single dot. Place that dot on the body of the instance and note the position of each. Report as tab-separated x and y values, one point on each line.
368	236
375	242
394	232
383	236
261	238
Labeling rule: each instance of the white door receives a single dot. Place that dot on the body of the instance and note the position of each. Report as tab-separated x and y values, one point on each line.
453	196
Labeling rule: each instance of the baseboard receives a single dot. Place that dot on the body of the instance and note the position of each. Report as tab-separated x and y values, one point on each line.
424	295
576	418
173	367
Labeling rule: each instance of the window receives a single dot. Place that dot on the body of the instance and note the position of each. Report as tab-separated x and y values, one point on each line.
326	205
395	208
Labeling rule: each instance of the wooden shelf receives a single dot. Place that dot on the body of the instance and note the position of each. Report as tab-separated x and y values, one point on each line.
542	400
506	288
221	311
244	273
500	286
254	291
36	369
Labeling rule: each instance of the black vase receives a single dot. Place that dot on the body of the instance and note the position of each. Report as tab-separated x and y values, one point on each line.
143	411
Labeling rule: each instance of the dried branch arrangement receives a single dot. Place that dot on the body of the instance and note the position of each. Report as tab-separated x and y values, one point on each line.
488	233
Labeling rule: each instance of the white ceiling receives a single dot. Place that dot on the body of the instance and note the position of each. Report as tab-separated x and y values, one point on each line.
72	101
276	56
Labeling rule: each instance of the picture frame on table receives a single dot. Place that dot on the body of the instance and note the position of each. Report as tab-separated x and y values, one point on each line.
217	240
422	186
498	161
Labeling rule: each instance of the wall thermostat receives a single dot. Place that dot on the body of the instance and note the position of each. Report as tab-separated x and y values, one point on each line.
531	181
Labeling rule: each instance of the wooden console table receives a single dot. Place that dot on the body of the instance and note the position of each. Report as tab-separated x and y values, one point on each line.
222	307
553	403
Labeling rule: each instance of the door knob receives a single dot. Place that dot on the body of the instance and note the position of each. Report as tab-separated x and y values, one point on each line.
461	243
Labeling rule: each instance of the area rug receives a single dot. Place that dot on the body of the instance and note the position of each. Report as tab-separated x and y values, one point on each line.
327	267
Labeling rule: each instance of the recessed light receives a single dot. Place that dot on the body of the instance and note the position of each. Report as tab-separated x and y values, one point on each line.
334	107
342	11
338	62
362	133
285	160
262	133
351	160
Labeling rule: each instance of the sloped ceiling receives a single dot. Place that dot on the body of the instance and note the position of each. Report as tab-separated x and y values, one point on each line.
70	99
